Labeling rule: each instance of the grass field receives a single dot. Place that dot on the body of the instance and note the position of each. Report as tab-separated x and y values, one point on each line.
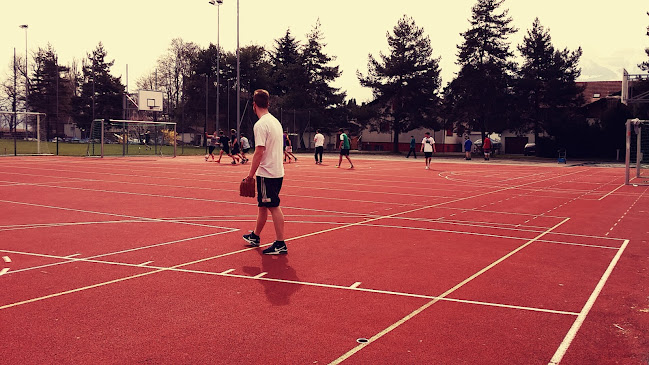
23	147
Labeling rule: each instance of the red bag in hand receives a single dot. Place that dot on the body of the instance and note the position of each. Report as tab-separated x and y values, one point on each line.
247	187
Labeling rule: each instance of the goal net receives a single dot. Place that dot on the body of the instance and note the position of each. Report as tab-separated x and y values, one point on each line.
637	152
111	137
24	133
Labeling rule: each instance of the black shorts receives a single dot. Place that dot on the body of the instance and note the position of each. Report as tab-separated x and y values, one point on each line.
235	150
226	149
428	154
245	150
268	191
212	149
344	151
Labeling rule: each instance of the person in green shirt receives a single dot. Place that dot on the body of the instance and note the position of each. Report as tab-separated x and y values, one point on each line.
413	143
345	145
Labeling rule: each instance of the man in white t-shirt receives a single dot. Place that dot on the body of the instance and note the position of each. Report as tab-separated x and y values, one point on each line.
428	148
319	146
268	167
245	147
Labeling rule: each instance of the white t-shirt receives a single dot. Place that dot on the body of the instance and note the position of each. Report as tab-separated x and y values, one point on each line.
245	143
319	140
428	144
269	134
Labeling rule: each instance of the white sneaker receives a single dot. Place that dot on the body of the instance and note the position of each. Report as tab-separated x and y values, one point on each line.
427	168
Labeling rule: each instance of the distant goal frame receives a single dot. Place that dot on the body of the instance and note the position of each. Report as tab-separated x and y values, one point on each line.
102	129
38	127
636	173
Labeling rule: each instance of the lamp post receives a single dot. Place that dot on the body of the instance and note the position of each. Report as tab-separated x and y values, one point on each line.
238	78
218	56
25	27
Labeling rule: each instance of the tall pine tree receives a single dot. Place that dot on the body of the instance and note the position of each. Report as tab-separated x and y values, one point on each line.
645	65
480	94
546	90
49	92
108	91
406	82
288	74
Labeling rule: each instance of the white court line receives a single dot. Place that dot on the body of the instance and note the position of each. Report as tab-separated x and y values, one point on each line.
73	255
145	263
355	285
46	225
445	294
494	235
565	344
226	273
4	271
6	259
602	198
260	275
113	214
118	252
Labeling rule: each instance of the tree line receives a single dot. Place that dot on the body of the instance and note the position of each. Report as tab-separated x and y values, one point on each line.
494	90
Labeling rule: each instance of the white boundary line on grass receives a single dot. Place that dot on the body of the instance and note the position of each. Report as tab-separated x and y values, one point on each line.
445	294
565	344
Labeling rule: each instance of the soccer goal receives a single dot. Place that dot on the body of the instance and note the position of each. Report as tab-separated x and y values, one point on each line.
637	152
23	133
111	137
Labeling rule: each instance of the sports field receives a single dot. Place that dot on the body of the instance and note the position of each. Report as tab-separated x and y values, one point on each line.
141	261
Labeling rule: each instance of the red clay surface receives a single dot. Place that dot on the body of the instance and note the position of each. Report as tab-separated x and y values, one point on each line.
142	261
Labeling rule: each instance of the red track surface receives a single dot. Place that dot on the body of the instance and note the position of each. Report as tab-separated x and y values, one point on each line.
141	261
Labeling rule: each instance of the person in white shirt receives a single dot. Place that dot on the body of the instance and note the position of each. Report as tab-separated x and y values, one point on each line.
319	146
245	147
268	168
428	148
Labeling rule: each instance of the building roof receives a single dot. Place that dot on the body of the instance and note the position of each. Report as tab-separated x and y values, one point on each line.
597	90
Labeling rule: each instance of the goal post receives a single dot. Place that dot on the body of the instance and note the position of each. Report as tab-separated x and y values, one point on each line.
116	137
637	147
23	133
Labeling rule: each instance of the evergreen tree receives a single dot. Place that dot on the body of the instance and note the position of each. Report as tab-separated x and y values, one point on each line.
320	73
546	89
288	74
49	92
406	82
108	91
481	91
645	65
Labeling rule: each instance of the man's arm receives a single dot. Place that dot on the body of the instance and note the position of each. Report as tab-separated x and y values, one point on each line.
256	160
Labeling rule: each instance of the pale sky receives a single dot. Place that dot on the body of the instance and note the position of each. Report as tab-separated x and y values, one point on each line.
612	34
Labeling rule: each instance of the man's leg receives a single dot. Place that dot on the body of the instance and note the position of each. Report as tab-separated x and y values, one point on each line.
340	159
278	222
262	216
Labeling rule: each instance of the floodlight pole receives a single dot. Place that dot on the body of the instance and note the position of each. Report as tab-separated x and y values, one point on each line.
25	27
238	77
218	61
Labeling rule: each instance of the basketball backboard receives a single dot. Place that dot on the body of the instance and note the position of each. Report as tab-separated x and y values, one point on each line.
149	100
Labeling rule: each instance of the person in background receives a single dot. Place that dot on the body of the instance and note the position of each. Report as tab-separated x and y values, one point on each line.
486	147
245	147
318	139
413	144
345	146
428	148
213	141
467	148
